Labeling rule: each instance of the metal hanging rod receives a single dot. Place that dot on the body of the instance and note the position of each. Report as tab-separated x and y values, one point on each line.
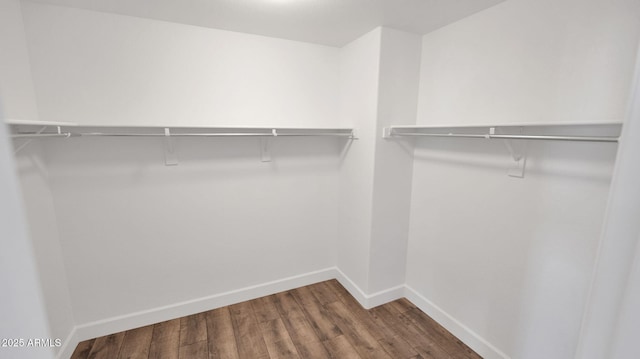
512	137
439	131
580	132
239	134
40	135
271	133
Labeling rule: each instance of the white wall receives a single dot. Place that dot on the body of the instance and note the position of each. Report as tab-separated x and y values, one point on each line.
379	87
624	337
97	68
17	97
503	262
508	258
142	241
359	76
43	230
397	103
531	61
22	311
138	235
610	325
17	101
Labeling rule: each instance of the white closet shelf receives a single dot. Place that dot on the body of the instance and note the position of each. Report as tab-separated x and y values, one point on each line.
558	131
16	122
30	130
22	129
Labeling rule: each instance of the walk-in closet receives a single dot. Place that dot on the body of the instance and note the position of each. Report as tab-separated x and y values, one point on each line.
319	179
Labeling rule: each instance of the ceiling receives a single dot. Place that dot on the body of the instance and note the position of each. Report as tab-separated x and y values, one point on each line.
326	22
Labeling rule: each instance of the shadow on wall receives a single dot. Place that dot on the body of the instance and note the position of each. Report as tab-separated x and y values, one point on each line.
200	158
586	161
107	149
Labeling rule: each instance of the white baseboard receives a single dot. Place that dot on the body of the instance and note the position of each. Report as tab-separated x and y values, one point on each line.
351	287
369	301
69	345
385	296
155	315
462	332
177	310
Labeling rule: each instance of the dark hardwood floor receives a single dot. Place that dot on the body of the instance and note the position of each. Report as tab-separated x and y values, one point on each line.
318	321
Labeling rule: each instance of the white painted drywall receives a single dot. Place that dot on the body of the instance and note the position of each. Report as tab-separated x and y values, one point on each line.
43	230
22	311
610	326
45	284
379	86
508	260
16	86
359	76
531	61
624	345
97	68
328	22
397	104
138	235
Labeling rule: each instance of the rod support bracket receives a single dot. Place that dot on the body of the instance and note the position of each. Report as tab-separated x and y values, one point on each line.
518	152
27	142
170	155
265	149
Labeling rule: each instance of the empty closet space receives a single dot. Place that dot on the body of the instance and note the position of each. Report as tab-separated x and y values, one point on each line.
417	179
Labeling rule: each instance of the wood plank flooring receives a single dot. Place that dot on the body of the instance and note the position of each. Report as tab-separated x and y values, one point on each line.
319	321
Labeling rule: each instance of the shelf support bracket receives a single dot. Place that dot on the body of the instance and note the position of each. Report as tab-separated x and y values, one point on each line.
170	155
265	146
518	151
27	142
265	149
